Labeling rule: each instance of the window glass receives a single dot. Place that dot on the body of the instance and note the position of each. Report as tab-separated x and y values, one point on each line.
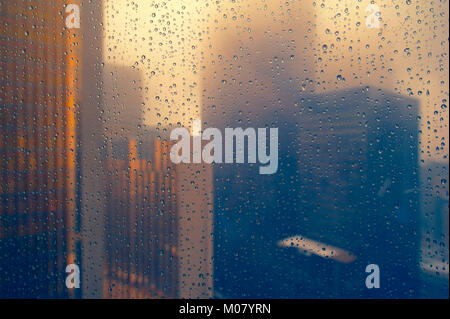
224	149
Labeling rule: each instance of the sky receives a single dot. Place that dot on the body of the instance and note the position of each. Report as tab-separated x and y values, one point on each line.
192	54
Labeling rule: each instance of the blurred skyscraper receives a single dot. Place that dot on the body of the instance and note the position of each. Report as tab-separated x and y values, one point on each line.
346	195
141	219
39	92
158	239
360	188
123	98
50	124
158	223
435	229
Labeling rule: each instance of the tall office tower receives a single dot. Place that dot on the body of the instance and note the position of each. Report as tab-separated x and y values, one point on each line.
123	97
435	228
141	220
39	92
256	68
131	189
158	217
158	224
195	205
346	195
359	187
51	131
91	137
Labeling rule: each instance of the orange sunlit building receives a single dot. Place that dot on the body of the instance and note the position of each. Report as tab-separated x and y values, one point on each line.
140	220
148	220
151	222
38	101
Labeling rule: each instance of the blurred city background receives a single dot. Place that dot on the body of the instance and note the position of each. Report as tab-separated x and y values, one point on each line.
357	89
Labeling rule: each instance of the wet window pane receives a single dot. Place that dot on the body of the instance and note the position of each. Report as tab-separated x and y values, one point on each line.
224	149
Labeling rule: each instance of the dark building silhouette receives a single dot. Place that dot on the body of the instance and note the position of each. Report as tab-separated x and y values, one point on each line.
346	195
434	229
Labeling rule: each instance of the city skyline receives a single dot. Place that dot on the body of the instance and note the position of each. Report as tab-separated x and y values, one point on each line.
91	170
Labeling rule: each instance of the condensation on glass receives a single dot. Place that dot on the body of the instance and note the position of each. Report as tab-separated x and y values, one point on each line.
94	206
